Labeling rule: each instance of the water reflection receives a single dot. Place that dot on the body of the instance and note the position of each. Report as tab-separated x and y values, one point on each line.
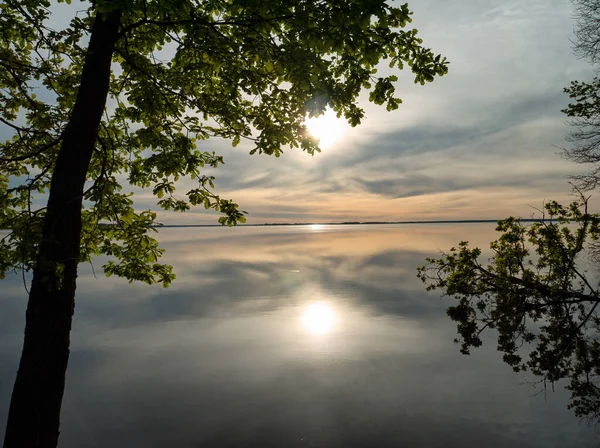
319	318
224	357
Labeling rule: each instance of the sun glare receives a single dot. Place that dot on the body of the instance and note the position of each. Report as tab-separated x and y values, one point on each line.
319	318
327	128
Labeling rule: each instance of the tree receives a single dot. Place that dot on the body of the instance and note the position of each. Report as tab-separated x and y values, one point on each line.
584	119
587	29
533	293
584	111
126	94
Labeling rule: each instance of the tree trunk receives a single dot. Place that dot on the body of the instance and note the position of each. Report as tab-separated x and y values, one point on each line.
34	414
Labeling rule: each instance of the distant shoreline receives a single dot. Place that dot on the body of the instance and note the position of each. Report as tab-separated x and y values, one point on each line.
349	223
345	223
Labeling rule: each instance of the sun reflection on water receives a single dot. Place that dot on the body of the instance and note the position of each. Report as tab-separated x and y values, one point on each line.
319	318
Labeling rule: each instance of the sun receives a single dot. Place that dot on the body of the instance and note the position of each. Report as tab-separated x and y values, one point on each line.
319	318
327	128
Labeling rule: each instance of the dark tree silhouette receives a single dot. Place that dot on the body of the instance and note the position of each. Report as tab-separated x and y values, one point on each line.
535	295
584	110
587	29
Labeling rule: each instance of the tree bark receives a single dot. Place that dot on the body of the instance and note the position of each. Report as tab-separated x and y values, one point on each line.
34	414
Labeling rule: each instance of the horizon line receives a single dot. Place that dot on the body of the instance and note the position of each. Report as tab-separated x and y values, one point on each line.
342	223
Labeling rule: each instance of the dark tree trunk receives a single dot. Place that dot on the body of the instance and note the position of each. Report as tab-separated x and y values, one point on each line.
34	414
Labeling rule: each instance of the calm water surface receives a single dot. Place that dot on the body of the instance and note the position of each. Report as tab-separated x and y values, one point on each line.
287	337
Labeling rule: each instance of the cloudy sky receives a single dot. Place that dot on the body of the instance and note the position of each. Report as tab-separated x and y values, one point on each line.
480	142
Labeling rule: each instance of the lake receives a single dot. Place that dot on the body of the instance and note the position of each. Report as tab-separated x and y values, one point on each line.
293	336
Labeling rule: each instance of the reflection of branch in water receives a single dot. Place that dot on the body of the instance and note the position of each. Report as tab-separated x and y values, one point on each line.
532	291
594	254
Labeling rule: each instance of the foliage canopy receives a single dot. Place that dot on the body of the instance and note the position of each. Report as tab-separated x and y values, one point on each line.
182	72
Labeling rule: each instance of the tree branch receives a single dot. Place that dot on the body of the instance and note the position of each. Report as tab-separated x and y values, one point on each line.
32	154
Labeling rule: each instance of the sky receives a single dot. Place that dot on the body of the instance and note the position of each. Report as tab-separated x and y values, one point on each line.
481	142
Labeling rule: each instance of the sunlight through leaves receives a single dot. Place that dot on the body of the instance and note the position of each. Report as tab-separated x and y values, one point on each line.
327	128
319	318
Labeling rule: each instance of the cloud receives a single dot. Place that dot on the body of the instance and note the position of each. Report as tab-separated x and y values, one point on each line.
489	127
512	150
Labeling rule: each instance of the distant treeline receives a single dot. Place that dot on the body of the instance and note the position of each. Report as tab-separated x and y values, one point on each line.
345	223
459	221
